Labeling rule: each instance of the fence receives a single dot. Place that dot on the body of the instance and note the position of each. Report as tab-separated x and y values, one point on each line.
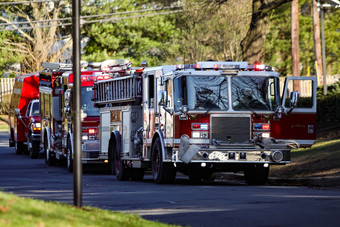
6	87
305	86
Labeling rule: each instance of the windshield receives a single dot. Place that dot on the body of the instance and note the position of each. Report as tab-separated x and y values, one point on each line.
87	103
35	109
201	92
254	93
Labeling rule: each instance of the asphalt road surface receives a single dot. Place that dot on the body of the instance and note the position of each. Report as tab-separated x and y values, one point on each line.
212	204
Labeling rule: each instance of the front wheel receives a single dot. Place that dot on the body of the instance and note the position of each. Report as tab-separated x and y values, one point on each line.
163	173
19	148
256	175
49	158
34	150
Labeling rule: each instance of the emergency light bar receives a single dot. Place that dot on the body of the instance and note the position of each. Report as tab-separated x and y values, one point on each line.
56	66
215	65
223	64
259	67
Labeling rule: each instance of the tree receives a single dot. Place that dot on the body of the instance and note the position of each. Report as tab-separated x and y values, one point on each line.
252	44
213	31
145	38
277	49
33	44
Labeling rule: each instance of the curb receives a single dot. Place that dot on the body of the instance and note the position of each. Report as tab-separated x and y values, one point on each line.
277	181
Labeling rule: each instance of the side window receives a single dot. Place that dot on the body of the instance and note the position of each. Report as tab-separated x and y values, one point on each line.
46	106
305	89
151	86
168	88
28	109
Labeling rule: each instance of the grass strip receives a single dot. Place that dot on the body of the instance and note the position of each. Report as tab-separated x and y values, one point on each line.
17	211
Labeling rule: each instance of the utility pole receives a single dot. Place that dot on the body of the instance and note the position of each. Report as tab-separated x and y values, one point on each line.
322	12
317	42
295	43
76	119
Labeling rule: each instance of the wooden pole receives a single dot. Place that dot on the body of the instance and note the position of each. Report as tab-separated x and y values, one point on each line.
317	44
295	43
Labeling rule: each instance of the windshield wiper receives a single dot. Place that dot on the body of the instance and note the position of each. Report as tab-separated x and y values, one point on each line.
248	107
219	98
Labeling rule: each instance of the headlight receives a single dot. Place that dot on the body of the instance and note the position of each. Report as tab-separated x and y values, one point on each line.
198	134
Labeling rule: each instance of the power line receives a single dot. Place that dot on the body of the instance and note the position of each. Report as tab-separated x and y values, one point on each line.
28	2
97	21
89	16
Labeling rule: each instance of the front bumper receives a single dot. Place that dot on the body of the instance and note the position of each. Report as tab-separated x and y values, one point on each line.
231	154
35	137
91	153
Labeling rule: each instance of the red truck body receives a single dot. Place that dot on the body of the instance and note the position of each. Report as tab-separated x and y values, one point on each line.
24	123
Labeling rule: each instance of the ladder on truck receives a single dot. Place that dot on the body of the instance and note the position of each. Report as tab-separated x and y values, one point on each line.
126	89
56	66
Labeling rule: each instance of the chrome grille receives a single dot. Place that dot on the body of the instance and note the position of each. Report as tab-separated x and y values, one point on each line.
230	129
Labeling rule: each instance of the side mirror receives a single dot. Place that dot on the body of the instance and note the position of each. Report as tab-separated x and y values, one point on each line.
294	97
162	98
162	101
17	112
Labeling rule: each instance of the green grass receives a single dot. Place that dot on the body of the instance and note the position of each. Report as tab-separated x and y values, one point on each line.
16	211
322	159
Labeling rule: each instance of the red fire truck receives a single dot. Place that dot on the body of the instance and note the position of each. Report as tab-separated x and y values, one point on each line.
56	82
24	115
203	118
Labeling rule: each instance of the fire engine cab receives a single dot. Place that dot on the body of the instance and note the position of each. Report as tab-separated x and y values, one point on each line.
56	83
203	118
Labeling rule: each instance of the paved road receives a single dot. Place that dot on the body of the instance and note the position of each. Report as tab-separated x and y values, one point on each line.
214	204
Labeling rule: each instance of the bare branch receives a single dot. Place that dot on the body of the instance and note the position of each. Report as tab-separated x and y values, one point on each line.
24	34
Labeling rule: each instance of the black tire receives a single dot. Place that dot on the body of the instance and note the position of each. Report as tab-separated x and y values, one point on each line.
19	148
163	173
34	150
123	173
11	138
49	158
111	164
69	157
256	175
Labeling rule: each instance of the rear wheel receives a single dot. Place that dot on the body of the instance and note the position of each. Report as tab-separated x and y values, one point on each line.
256	175
162	172
123	173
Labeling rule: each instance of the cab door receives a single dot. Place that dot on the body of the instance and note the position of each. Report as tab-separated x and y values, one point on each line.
298	122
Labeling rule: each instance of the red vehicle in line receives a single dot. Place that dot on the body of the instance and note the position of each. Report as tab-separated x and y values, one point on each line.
56	91
24	117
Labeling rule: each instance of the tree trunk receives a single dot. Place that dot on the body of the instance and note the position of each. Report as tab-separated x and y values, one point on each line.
317	43
295	43
253	43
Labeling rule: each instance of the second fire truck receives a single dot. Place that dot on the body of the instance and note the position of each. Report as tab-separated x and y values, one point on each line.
201	119
56	83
